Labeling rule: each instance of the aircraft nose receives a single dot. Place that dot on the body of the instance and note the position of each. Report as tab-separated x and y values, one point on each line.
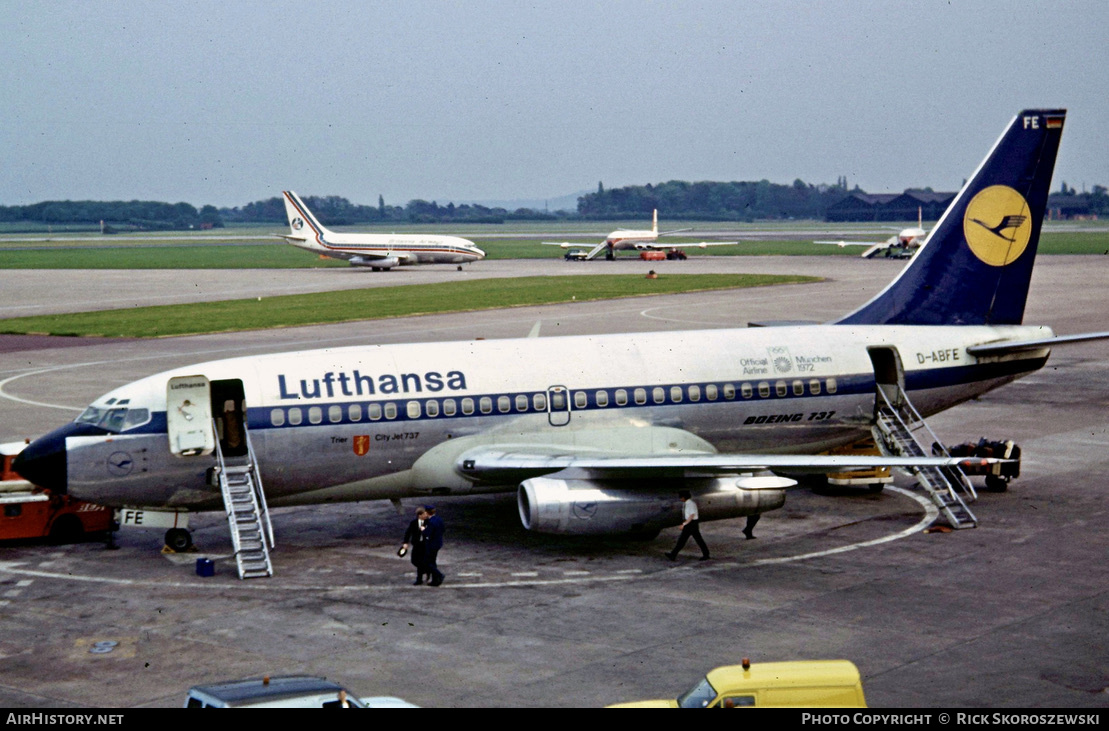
43	461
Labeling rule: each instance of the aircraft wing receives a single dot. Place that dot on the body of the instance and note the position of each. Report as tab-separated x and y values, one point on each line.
500	465
563	244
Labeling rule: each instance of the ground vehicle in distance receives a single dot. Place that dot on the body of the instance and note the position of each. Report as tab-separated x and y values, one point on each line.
576	255
798	684
288	691
32	512
999	475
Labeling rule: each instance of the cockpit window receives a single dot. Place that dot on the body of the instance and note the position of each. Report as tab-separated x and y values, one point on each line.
136	417
114	420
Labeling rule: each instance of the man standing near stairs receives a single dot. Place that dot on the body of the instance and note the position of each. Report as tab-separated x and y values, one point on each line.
433	541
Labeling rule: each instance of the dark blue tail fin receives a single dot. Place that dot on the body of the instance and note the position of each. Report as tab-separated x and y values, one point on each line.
975	267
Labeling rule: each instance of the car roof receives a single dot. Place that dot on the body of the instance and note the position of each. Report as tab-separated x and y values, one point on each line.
797	673
235	692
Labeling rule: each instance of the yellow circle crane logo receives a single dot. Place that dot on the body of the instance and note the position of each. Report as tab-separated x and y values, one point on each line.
998	225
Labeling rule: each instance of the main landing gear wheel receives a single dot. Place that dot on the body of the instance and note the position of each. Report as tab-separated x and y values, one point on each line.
66	529
996	484
179	539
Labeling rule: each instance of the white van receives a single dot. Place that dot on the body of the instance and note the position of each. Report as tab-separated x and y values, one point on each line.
289	691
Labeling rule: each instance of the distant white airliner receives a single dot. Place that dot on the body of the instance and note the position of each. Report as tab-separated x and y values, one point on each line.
595	433
377	251
901	246
640	240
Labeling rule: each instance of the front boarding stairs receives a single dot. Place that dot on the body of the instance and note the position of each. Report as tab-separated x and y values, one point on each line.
247	514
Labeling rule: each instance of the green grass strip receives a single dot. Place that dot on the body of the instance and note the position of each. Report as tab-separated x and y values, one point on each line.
375	303
61	255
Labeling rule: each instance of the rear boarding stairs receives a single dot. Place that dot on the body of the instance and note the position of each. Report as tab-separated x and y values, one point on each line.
897	430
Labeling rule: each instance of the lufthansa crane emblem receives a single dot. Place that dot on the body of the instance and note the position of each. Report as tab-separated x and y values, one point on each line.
998	225
584	511
120	464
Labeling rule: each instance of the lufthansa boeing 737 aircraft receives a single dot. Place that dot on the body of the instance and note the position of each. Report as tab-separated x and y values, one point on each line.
594	433
377	251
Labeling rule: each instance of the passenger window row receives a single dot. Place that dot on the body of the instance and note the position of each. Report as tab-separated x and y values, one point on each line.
537	402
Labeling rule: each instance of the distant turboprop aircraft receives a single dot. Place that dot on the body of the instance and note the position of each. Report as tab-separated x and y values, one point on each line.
641	240
900	246
377	251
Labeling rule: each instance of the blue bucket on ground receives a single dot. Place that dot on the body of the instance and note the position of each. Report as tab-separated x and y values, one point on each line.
205	567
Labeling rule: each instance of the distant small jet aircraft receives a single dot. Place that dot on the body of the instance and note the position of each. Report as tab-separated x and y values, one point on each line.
901	246
642	240
377	251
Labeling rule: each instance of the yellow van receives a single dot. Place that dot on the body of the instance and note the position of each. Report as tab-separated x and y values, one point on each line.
801	684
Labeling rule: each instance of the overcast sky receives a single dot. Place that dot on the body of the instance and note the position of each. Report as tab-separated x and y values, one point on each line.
230	102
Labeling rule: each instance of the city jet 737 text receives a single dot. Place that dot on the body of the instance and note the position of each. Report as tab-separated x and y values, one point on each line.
377	251
595	434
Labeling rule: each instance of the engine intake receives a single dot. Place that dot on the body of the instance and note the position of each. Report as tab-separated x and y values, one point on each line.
385	263
569	505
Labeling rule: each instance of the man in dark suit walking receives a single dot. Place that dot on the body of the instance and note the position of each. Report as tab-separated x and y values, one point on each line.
414	544
433	541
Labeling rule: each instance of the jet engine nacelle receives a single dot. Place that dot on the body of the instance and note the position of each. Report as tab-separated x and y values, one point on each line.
584	506
387	263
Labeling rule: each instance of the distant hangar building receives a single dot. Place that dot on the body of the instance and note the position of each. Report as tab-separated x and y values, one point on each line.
860	206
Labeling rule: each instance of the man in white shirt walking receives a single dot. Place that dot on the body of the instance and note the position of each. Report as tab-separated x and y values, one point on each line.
691	527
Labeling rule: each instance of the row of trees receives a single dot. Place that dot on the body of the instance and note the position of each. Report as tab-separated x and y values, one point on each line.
709	201
120	215
1069	203
334	210
677	199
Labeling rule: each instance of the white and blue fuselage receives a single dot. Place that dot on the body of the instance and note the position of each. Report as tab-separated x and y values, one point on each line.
360	423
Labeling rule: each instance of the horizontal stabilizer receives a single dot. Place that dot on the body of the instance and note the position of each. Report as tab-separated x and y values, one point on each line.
1021	346
782	323
703	244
